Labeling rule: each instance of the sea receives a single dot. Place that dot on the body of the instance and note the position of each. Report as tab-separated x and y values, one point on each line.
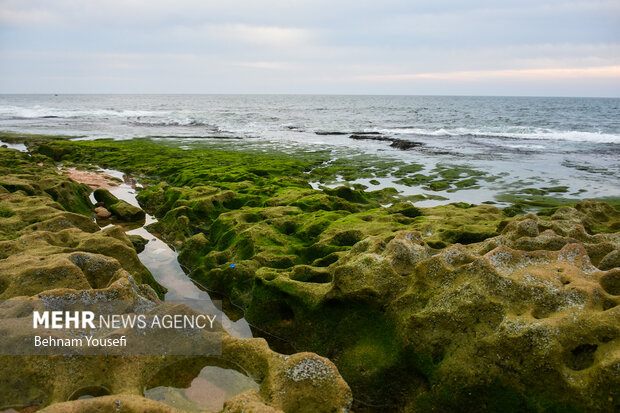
522	142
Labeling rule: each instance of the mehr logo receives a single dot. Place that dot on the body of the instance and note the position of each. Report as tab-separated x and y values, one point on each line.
86	326
85	319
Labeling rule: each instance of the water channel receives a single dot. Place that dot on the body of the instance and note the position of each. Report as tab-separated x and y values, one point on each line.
213	385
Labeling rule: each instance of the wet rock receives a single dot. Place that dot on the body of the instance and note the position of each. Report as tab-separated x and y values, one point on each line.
138	242
126	212
453	308
105	196
120	208
50	255
397	143
302	382
112	404
102	213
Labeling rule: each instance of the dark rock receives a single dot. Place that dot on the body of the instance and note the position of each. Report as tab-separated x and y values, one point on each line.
404	145
105	196
397	143
138	242
331	133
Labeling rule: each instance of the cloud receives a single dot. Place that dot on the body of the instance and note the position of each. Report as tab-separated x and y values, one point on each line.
605	72
267	65
21	17
271	36
315	45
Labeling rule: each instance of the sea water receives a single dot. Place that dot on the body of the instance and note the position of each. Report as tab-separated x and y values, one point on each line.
530	141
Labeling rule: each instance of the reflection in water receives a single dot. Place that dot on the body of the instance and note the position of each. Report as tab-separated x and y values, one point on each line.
214	385
19	146
207	392
161	260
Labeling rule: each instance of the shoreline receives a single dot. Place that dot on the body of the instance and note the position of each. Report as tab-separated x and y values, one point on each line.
407	295
425	185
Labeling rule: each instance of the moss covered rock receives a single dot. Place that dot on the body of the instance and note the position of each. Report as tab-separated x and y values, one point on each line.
39	237
121	209
50	254
456	307
302	382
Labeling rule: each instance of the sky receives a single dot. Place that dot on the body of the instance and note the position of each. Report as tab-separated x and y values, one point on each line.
440	47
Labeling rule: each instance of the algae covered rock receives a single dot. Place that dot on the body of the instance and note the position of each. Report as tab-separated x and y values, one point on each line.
468	325
50	255
123	210
138	242
451	308
39	238
41	259
19	175
111	404
301	382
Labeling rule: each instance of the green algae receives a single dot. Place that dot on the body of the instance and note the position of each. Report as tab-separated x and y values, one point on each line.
496	397
444	177
281	235
354	167
535	199
47	214
290	243
415	180
121	209
30	139
19	173
561	189
544	200
406	170
6	212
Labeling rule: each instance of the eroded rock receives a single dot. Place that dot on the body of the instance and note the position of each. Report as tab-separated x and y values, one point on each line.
52	255
301	382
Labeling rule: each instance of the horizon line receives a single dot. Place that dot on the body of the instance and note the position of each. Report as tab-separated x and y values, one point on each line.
294	94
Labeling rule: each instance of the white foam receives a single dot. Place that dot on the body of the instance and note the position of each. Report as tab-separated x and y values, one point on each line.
515	132
38	111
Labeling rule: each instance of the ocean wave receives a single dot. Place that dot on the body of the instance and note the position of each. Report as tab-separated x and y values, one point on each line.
142	118
158	122
526	146
510	133
43	112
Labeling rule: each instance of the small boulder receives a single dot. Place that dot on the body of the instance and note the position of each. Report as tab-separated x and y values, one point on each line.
105	196
121	209
138	242
127	212
102	213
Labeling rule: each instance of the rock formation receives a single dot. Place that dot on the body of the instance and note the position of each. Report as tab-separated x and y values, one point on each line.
50	252
457	307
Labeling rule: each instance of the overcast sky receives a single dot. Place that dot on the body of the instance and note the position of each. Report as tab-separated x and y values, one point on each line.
474	47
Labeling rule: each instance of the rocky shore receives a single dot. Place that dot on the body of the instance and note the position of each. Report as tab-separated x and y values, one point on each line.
456	307
50	249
